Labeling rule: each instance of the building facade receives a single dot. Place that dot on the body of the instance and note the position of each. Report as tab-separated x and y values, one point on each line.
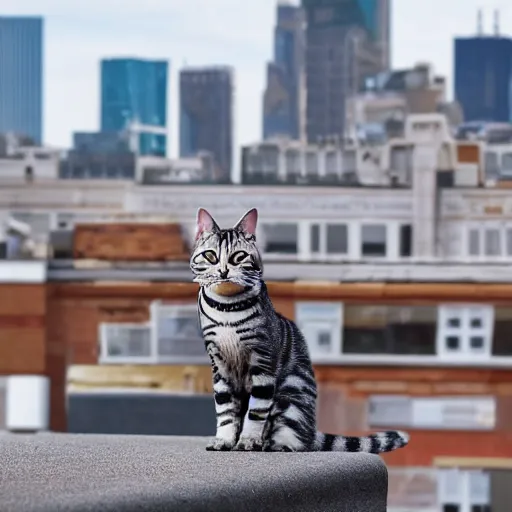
21	76
134	95
343	45
284	97
206	116
483	74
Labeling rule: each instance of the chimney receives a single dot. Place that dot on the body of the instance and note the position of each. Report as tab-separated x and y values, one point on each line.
479	23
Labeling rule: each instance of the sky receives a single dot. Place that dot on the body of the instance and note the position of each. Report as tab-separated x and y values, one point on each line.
239	33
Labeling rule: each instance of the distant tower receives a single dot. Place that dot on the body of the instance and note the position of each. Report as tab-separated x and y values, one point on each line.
496	23
479	23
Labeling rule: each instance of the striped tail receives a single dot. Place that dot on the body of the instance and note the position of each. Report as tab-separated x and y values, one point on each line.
379	442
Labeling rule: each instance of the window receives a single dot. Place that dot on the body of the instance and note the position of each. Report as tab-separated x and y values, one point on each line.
312	163
177	331
450	413
405	248
125	342
337	239
315	238
501	343
492	242
464	490
320	323
280	238
292	162
373	240
474	242
383	329
464	331
489	239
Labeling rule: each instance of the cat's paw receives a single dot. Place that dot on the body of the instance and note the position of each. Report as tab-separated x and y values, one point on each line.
218	444
270	446
248	444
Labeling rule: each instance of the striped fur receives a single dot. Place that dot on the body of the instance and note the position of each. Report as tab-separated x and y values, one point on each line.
264	386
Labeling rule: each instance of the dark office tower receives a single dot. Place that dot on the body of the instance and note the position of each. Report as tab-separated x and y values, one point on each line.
283	100
134	93
206	115
483	77
346	41
21	76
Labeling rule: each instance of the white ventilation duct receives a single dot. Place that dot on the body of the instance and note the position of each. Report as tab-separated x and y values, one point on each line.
27	403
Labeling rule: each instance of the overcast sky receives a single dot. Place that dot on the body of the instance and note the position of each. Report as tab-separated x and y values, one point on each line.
202	32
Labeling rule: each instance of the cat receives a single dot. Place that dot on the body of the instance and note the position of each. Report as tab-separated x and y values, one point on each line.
263	381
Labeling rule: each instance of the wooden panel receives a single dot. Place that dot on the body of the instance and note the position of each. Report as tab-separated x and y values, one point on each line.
182	378
22	350
356	293
130	242
468	153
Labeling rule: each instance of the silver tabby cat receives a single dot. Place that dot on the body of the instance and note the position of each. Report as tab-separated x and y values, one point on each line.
264	385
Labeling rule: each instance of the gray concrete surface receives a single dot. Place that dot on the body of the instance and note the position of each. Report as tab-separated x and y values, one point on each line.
73	472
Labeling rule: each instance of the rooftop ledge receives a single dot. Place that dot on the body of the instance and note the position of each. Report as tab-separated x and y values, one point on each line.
66	472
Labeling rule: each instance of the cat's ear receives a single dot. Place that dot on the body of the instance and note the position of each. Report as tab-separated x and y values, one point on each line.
205	223
247	224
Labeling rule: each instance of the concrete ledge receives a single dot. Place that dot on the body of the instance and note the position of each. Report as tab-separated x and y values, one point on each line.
68	472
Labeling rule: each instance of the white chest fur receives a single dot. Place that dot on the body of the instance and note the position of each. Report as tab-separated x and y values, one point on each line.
228	342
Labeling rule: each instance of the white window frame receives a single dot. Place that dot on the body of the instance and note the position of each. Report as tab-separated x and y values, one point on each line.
105	358
322	254
455	487
481	228
260	237
330	319
158	309
464	313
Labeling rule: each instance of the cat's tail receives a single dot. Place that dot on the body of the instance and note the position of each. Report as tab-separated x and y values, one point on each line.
374	443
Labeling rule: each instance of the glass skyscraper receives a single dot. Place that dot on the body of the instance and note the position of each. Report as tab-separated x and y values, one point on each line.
134	92
21	76
282	100
483	77
206	116
346	41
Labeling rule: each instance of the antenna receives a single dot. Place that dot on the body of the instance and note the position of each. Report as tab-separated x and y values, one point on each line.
479	23
496	23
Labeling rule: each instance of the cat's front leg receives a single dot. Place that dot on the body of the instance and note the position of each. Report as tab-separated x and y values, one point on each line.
260	402
228	410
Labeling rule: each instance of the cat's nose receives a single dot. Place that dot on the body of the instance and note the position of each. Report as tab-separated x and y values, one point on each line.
223	273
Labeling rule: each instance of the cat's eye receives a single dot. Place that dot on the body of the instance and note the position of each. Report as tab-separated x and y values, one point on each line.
210	257
238	257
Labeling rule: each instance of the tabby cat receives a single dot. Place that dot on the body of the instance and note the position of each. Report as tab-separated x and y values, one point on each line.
263	381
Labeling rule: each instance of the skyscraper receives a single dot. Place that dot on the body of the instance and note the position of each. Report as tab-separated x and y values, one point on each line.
283	100
346	40
206	115
134	92
483	77
21	76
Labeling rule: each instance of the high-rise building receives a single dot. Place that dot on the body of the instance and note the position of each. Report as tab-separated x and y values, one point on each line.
206	116
134	96
284	97
346	41
21	76
483	77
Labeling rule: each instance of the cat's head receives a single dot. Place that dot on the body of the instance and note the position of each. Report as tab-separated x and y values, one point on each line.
226	258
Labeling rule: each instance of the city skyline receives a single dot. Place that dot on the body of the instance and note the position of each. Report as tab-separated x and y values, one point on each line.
75	45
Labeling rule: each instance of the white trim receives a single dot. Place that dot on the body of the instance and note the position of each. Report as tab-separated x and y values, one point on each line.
12	271
482	227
